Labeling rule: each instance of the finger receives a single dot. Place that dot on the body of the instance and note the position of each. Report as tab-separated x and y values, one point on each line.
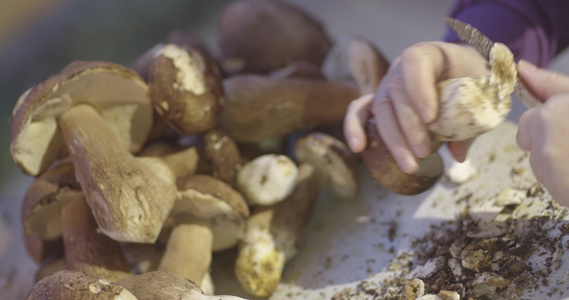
418	68
413	128
357	115
542	83
524	134
459	150
392	136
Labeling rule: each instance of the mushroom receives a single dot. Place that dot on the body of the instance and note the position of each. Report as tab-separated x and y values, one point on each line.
210	216
260	107
223	155
273	234
43	201
469	106
87	250
384	170
257	36
357	59
166	286
267	179
186	88
77	285
298	69
332	158
130	197
118	93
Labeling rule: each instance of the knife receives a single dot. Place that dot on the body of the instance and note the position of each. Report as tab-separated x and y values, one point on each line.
483	45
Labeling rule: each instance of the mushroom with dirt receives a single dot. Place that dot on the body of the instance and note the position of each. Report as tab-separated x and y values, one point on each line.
98	111
273	234
77	285
210	216
469	106
333	159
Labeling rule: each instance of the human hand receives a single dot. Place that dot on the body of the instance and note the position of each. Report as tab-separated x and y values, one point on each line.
543	130
406	100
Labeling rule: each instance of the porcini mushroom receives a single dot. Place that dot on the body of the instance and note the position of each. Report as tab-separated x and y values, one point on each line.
273	234
259	36
130	198
267	179
223	155
469	106
167	286
44	199
186	88
332	158
357	59
77	285
123	104
260	107
210	216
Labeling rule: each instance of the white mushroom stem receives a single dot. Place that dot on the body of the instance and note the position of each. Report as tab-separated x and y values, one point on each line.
273	233
189	249
130	197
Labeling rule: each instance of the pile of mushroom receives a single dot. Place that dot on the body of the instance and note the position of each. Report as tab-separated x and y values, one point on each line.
144	172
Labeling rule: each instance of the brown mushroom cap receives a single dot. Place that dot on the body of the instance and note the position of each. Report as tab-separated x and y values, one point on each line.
260	107
165	286
186	88
259	36
383	168
41	207
117	92
223	155
331	157
77	285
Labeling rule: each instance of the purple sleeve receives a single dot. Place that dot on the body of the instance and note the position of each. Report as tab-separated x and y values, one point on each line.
535	30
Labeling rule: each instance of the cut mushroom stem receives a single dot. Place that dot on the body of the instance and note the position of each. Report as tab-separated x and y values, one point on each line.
130	197
267	179
88	251
273	234
260	107
77	285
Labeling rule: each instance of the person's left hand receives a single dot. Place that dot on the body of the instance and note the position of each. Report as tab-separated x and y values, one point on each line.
544	130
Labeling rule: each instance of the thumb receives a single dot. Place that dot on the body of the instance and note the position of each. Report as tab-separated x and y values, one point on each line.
542	83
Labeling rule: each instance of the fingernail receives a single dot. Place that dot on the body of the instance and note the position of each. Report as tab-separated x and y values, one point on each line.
354	144
423	149
410	165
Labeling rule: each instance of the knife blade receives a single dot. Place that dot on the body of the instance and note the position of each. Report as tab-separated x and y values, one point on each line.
473	37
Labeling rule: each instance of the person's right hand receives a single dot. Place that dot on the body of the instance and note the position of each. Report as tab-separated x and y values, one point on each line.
407	99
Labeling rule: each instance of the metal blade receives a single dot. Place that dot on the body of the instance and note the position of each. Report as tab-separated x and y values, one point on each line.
483	45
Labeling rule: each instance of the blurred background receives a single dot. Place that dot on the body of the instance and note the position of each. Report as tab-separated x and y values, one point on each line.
39	37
